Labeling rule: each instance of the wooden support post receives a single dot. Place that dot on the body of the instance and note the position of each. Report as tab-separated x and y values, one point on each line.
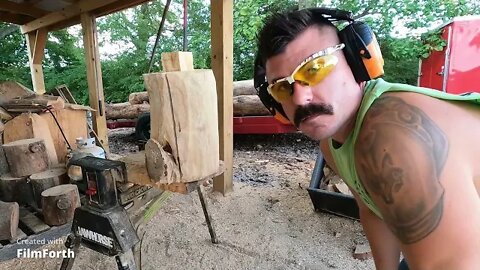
94	78
222	65
36	42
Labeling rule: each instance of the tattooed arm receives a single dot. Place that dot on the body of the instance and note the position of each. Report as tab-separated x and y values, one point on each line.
385	247
400	156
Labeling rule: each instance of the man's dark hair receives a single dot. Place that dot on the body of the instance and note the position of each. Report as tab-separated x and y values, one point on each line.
281	28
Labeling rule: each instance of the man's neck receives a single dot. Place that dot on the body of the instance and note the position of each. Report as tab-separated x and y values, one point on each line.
344	131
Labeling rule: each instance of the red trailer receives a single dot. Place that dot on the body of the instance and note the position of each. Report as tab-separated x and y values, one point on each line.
456	69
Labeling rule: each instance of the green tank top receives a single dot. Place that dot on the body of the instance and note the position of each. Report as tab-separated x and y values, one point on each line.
344	155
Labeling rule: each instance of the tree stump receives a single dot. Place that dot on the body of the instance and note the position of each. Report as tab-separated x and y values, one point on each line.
26	157
59	203
9	212
15	189
45	180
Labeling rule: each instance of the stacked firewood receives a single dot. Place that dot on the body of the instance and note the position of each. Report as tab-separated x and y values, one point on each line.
32	175
245	103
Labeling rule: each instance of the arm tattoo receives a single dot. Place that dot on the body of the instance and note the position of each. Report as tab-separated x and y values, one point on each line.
400	153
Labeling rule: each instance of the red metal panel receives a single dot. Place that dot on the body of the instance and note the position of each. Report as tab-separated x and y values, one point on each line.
260	125
464	68
432	68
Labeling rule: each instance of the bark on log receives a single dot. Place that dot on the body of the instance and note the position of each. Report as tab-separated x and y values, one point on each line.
243	88
59	203
15	189
125	110
45	180
26	157
9	213
248	105
138	98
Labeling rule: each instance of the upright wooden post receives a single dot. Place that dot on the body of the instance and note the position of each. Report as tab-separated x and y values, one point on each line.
36	42
94	77
222	65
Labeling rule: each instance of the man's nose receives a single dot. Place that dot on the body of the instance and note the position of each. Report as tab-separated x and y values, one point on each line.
302	93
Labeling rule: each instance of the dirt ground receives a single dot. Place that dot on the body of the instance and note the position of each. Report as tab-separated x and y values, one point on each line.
267	222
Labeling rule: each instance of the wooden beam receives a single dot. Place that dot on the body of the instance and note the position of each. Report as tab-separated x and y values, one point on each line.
118	6
222	65
36	42
14	18
68	12
94	77
22	8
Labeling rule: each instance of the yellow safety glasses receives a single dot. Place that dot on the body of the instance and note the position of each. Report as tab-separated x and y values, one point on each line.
310	72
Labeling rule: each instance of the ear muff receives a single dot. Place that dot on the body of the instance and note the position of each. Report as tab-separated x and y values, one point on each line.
260	83
362	51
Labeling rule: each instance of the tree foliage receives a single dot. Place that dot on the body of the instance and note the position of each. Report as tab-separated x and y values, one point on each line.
127	39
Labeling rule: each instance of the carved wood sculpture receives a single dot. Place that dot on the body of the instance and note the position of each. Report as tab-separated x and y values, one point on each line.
26	157
59	203
184	126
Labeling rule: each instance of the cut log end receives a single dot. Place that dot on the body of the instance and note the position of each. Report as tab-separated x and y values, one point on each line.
161	166
59	204
26	157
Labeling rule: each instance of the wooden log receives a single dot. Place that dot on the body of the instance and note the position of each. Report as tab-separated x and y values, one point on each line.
138	98
3	162
44	180
26	157
242	88
248	105
59	203
11	89
125	110
9	213
15	189
184	118
28	126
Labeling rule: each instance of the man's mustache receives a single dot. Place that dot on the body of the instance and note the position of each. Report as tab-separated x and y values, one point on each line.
303	112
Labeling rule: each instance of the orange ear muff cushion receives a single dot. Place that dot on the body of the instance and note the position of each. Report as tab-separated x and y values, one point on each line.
374	65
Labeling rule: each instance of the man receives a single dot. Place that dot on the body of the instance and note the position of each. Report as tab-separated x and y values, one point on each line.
411	156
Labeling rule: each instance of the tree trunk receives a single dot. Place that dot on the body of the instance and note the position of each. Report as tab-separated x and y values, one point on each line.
59	203
125	110
45	180
26	157
248	105
9	213
138	98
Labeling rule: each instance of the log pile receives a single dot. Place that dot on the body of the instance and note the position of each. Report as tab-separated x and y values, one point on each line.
245	103
30	163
